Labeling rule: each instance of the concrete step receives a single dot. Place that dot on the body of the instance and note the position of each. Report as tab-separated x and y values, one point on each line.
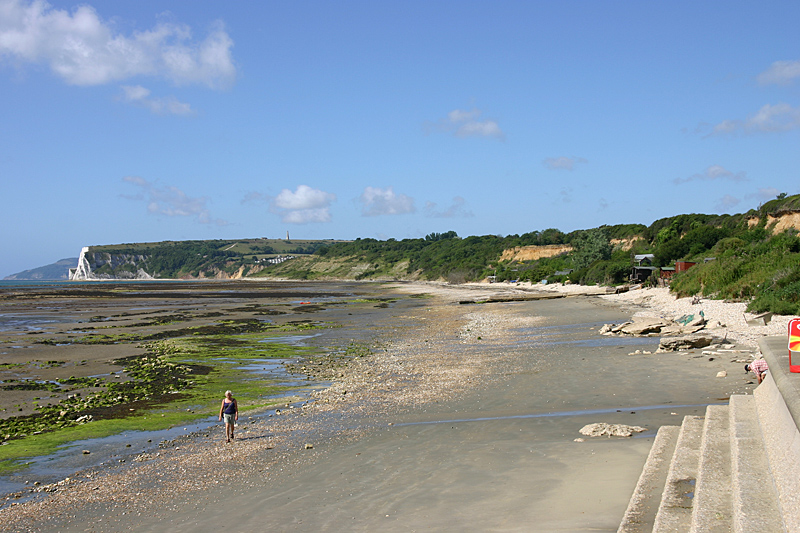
782	444
713	507
675	511
755	499
641	512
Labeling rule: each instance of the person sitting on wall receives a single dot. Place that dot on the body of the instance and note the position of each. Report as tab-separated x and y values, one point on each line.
759	368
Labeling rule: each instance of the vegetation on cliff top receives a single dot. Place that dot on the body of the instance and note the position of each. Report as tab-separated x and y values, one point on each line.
750	261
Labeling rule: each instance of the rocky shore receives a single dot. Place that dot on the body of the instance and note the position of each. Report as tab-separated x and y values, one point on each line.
416	359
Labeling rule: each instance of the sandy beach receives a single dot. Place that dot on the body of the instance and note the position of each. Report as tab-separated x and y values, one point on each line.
462	417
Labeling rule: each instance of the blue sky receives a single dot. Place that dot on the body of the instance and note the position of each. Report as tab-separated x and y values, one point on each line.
150	120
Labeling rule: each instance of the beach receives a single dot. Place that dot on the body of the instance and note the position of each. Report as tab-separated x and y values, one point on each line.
462	416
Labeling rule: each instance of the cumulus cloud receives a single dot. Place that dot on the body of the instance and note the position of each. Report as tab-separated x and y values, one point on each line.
770	118
302	206
468	124
563	163
712	173
377	201
780	73
171	201
455	210
83	49
138	95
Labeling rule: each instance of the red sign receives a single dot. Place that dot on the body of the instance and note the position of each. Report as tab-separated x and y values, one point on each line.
794	342
794	335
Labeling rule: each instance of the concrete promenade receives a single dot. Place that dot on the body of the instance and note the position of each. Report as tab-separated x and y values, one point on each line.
735	469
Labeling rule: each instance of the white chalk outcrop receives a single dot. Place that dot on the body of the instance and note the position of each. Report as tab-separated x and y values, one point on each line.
84	270
112	263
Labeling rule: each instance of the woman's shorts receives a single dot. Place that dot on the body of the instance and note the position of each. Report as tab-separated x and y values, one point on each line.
228	418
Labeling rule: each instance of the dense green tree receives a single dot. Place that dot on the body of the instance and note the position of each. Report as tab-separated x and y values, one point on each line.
590	246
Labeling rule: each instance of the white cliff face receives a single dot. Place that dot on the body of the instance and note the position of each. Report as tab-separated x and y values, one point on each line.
84	270
108	266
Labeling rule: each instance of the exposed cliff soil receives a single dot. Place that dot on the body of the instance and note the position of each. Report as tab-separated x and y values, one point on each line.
779	223
532	253
625	244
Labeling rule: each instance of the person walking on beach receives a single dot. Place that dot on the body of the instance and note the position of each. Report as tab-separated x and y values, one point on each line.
759	368
230	411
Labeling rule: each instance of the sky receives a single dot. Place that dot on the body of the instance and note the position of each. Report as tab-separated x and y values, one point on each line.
146	121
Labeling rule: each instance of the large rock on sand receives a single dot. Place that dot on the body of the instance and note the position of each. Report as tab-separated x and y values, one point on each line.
644	326
600	429
678	330
673	344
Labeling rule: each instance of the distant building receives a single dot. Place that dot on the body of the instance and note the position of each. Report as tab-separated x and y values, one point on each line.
643	267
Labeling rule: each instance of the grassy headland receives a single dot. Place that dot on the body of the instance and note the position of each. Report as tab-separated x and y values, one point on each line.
752	256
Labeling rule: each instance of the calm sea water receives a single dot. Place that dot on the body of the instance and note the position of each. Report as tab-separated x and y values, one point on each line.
31	283
5	283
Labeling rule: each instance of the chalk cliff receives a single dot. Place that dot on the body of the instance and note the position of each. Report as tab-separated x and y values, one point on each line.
103	265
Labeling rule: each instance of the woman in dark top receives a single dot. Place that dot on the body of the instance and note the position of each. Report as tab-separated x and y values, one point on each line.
229	410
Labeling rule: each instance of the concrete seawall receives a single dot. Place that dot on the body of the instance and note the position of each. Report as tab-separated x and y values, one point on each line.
778	403
735	469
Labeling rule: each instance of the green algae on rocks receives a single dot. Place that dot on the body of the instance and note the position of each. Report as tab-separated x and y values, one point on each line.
177	380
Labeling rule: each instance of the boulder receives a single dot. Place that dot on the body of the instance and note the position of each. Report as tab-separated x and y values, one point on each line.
698	320
644	326
672	344
600	429
672	331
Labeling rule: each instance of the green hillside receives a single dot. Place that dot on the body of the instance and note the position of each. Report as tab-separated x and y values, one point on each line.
54	272
742	257
747	256
195	259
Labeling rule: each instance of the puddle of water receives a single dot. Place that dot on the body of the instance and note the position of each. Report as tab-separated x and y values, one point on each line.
114	449
123	448
556	414
29	323
607	341
292	340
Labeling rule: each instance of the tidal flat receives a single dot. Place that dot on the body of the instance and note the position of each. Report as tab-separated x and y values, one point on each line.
80	361
425	414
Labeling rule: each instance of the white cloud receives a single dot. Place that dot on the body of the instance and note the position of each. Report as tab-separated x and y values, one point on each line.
83	49
563	163
714	172
770	118
137	94
302	206
780	73
469	124
171	201
456	209
379	201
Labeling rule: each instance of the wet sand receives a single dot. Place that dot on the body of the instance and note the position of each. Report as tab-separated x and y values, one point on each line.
465	418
